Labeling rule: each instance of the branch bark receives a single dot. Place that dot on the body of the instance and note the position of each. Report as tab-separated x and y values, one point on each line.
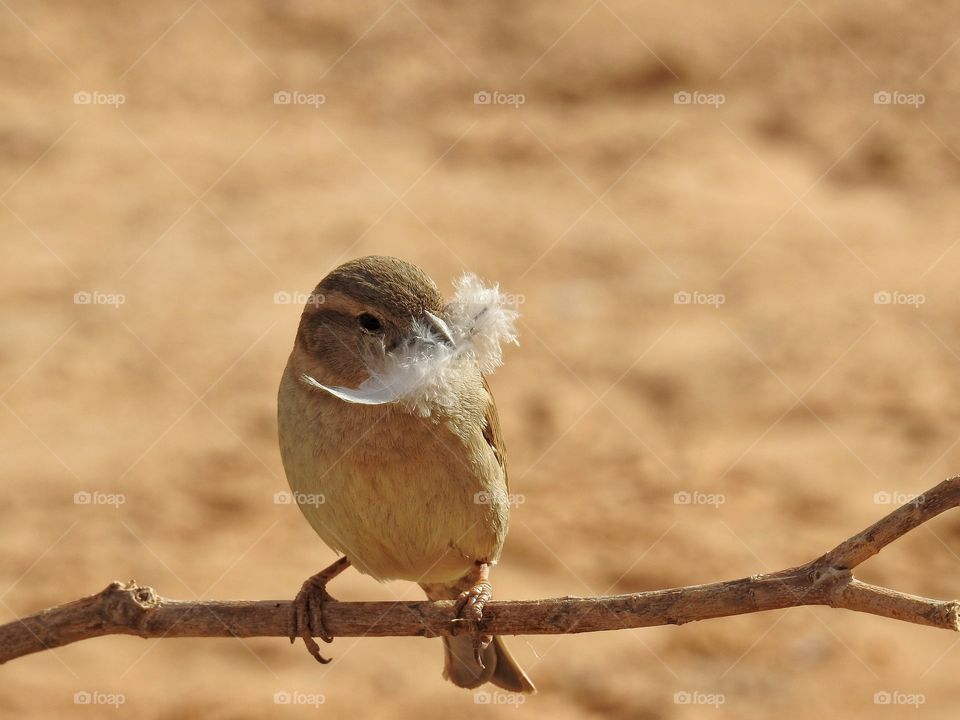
132	609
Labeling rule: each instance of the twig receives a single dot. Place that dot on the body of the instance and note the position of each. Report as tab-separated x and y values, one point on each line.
131	609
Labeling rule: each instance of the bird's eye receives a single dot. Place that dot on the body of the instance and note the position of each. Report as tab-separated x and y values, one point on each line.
368	322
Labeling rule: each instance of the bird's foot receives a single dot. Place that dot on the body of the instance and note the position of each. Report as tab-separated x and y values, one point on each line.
471	602
306	613
469	609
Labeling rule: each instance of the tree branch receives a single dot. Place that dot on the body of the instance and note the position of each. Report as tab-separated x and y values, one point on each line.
131	609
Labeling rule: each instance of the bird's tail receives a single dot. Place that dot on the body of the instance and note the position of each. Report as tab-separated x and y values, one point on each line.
459	664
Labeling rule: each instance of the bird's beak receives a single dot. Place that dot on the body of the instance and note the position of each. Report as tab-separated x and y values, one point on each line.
439	326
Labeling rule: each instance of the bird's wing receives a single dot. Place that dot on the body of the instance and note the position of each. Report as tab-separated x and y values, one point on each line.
492	434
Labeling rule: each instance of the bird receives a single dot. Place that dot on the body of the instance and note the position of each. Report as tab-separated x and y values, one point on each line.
392	447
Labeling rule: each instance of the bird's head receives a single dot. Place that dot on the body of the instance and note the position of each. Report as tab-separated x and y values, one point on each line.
366	310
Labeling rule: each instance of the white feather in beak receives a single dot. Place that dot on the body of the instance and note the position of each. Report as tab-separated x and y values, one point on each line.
420	373
439	325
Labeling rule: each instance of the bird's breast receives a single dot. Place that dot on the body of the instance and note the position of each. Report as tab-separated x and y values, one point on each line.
402	496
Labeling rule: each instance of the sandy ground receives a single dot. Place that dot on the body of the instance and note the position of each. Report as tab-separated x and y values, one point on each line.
782	189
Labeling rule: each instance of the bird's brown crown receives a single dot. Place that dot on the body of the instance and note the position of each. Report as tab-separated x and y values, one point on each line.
397	287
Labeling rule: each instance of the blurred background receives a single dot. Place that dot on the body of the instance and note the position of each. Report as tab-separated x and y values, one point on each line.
733	228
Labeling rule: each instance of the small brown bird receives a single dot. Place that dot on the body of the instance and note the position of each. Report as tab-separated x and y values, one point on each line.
391	444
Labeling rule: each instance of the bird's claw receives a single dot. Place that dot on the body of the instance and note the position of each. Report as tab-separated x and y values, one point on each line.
306	617
469	609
